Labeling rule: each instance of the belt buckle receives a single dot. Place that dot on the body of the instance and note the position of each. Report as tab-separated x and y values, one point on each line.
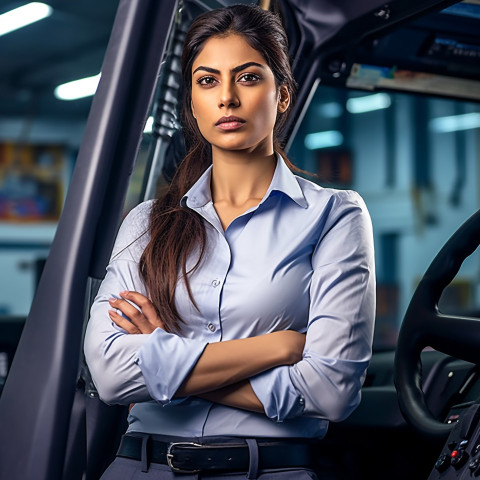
170	456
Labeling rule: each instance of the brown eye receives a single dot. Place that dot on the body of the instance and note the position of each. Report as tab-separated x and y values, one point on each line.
249	78
206	81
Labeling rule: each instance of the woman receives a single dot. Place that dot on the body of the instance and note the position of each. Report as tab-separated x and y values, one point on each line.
237	311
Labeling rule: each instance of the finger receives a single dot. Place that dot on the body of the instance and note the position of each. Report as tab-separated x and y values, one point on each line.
125	307
122	322
146	306
132	313
141	301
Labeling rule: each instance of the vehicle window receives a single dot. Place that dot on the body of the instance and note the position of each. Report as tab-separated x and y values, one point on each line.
415	161
40	134
41	129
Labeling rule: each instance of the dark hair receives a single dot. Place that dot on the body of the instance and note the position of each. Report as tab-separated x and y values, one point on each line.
177	232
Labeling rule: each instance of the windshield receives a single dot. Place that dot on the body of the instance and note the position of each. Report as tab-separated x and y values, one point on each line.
415	161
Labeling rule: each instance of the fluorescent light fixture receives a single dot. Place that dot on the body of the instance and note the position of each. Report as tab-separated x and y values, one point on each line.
148	125
329	138
454	123
23	16
330	110
81	88
368	103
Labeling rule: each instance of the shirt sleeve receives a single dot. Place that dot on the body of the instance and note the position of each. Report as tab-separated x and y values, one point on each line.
327	382
166	360
136	368
110	352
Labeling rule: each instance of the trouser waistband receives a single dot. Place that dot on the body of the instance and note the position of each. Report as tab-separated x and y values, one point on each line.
232	454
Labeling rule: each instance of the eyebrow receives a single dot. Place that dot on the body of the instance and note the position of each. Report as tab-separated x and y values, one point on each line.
241	67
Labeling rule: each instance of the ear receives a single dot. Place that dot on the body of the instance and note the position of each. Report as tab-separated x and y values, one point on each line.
283	99
193	110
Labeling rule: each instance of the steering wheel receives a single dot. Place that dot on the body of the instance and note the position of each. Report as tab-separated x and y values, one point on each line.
424	325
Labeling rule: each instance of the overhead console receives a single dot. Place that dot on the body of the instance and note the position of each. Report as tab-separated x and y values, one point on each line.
436	54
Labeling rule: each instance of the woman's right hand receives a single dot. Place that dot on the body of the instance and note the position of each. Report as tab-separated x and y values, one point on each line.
291	343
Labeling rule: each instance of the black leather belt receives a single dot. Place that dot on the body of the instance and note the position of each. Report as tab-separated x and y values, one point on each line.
191	457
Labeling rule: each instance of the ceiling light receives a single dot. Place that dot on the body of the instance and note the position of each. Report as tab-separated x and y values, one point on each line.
23	16
454	123
330	110
81	88
368	103
327	139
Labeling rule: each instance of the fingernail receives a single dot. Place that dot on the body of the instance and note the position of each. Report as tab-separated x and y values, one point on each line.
124	293
112	300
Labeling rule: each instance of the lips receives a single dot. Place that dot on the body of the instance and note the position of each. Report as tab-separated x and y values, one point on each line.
230	123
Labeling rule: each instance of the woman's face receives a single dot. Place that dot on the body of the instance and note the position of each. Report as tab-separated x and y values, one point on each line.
234	97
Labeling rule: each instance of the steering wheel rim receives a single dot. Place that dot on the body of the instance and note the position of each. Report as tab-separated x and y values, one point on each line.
423	326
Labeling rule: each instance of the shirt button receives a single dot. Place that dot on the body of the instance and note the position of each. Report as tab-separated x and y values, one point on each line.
211	327
216	282
301	400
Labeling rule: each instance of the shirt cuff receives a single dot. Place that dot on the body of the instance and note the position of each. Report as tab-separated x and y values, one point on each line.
166	360
277	394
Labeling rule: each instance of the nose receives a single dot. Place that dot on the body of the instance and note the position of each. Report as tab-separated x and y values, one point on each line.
228	96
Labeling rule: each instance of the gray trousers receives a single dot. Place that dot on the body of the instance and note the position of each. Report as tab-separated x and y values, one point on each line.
128	469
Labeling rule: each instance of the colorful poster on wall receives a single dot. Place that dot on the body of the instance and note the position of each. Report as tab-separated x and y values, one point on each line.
32	182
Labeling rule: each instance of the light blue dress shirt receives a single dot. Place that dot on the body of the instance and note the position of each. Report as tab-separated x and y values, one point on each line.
302	259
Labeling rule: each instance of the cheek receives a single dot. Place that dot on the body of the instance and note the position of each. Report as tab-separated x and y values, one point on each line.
196	113
200	108
200	115
266	106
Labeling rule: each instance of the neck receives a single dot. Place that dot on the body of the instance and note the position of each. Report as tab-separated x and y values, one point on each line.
238	177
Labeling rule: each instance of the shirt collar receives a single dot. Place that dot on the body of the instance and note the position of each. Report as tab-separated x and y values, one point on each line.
283	181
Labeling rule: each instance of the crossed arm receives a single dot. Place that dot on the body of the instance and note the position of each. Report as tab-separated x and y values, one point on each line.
221	374
276	373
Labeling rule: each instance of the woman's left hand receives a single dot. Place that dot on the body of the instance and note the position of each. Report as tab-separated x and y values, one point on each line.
144	320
